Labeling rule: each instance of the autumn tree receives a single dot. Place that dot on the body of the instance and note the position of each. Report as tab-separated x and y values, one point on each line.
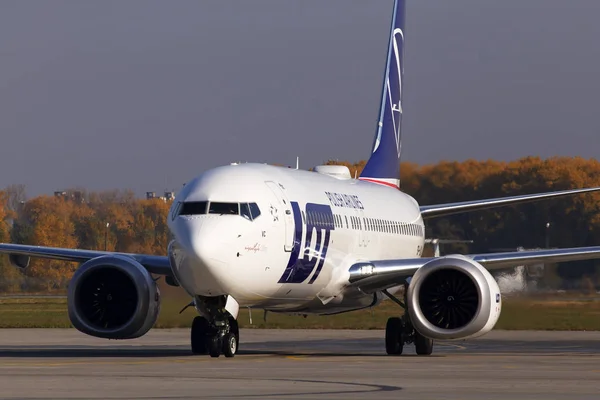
10	277
118	221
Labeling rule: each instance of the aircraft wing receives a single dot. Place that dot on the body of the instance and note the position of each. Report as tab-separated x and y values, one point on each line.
20	256
383	274
441	210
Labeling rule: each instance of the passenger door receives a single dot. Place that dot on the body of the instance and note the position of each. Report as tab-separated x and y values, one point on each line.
286	213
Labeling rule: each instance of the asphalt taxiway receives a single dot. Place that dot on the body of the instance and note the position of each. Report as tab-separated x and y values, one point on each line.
298	364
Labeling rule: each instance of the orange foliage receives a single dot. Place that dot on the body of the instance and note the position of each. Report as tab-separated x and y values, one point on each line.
140	225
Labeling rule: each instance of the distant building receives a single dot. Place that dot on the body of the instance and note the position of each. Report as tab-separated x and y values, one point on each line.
75	196
169	196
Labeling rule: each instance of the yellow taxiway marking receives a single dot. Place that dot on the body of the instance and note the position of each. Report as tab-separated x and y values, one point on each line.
458	346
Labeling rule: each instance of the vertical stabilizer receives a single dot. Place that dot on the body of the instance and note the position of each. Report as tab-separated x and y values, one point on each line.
383	166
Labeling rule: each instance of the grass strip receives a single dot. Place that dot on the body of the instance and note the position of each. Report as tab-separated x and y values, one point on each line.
517	314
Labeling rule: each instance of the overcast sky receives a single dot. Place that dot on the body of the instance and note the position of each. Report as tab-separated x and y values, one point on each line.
145	94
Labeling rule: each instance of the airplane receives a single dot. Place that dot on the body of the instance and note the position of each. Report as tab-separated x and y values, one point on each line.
302	242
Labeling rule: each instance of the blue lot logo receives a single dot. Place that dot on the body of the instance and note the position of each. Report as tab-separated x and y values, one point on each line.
304	258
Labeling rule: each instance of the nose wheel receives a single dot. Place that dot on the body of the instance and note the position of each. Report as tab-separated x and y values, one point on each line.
199	334
230	344
215	340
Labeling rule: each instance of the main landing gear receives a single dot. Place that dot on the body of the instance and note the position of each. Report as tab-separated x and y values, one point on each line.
400	331
219	335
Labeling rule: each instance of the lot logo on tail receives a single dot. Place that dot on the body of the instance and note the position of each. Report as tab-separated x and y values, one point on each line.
395	78
384	164
310	245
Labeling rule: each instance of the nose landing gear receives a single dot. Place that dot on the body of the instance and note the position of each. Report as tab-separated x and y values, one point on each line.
213	340
218	336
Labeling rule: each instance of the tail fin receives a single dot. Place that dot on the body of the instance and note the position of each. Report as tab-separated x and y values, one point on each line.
384	165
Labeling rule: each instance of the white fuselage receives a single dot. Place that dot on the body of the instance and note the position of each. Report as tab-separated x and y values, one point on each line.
295	255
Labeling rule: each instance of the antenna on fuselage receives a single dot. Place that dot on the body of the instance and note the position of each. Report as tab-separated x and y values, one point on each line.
297	162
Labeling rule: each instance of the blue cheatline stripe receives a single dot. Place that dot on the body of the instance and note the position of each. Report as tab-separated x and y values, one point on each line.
323	255
298	226
319	218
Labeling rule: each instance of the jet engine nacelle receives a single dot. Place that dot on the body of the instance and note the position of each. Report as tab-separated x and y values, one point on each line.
453	297
113	297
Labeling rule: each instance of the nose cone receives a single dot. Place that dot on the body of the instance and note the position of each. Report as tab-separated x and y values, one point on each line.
200	239
205	265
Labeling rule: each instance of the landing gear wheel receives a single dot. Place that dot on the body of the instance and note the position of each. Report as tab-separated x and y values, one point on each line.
423	345
393	336
198	335
230	344
213	343
235	329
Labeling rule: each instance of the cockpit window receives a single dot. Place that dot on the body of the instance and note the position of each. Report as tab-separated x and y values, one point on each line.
224	208
193	208
245	211
249	211
254	210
